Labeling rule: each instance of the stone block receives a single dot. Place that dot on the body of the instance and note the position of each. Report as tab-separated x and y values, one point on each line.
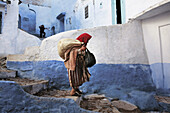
7	74
124	106
15	100
34	88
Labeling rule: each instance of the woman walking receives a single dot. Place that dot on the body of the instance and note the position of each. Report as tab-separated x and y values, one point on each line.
75	64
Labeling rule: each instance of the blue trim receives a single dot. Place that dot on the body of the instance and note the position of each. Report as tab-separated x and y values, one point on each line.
124	75
113	6
123	12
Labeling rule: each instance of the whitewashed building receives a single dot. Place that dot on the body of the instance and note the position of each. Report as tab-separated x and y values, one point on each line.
156	33
12	39
153	17
66	15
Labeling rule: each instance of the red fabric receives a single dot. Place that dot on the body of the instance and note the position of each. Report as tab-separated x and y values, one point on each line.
84	38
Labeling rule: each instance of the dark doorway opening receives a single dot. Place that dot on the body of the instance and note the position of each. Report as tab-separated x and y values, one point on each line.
62	24
118	11
61	18
19	22
0	22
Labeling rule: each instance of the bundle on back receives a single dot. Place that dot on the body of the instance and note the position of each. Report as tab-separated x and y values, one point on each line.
66	43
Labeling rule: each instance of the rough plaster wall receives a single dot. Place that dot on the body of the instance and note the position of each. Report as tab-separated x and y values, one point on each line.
113	44
28	18
2	9
132	10
13	40
102	13
9	30
14	100
46	3
153	47
43	16
98	15
68	7
25	40
121	69
75	17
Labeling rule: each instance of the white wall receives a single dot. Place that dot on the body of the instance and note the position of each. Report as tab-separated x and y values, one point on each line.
43	16
9	30
99	15
134	7
118	44
2	9
156	45
46	3
67	6
11	38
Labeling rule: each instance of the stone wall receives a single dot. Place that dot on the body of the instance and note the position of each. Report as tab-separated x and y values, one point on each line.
156	37
119	51
122	62
13	99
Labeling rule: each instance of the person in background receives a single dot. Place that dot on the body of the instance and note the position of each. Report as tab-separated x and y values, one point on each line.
42	33
75	64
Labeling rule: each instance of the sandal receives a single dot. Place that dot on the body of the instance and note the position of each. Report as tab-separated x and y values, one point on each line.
78	91
75	94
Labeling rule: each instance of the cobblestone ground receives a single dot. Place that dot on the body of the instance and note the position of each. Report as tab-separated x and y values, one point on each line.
163	99
54	93
22	81
66	93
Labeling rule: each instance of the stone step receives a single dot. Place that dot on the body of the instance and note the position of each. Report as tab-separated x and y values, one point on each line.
100	103
35	87
30	86
4	73
94	102
3	61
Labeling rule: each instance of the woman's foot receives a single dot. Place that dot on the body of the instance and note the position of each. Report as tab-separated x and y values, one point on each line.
76	94
73	92
78	91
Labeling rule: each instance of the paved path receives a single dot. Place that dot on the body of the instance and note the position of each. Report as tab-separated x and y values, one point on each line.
163	99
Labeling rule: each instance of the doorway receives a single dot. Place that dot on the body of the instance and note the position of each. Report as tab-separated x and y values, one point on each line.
0	22
19	22
164	35
118	11
61	18
61	25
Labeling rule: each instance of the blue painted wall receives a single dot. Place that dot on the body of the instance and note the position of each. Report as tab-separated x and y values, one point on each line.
131	82
15	100
123	75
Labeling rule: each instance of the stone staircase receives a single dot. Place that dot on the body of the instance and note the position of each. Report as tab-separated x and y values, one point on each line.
29	86
91	102
4	72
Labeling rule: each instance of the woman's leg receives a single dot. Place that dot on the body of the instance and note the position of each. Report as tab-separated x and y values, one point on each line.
78	91
73	91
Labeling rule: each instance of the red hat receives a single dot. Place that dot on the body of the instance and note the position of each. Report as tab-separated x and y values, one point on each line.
84	38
